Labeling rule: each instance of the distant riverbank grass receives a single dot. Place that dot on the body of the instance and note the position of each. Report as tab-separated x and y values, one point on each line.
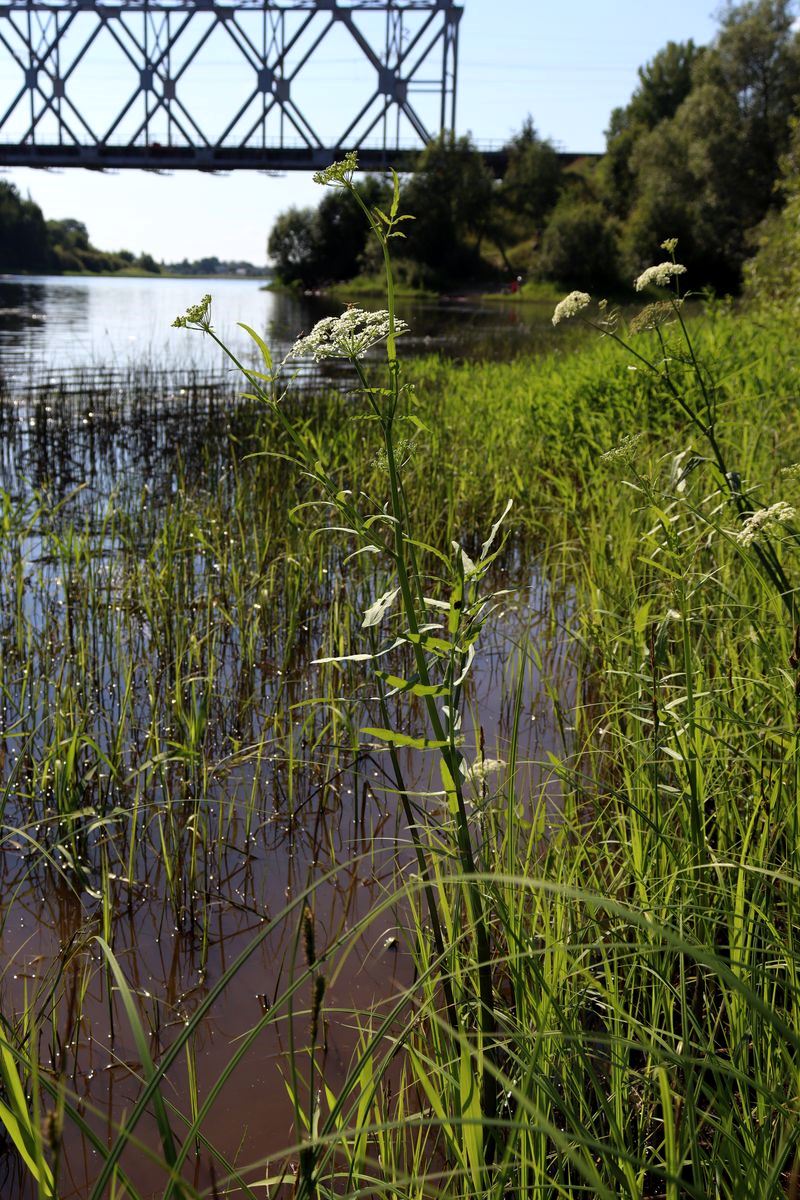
362	287
605	998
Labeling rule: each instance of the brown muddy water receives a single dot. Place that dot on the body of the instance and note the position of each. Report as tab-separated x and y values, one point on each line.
186	859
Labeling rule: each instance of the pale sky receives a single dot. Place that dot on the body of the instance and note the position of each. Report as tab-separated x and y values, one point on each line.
567	65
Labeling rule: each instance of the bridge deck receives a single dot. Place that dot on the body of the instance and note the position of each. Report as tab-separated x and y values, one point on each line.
224	158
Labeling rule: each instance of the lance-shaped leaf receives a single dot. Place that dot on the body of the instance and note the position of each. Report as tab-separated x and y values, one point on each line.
377	611
412	685
487	545
393	738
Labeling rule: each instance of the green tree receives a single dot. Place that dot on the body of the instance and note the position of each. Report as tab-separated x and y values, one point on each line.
664	83
707	174
580	245
69	233
146	262
326	244
773	275
292	245
533	179
451	196
24	241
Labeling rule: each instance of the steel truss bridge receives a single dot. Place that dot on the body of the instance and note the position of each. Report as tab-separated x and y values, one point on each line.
224	84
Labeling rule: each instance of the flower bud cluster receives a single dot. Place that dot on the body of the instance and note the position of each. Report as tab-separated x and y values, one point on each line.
338	174
196	314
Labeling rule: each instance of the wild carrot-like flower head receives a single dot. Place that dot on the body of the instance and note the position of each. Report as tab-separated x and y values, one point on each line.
658	276
762	520
347	336
570	306
338	174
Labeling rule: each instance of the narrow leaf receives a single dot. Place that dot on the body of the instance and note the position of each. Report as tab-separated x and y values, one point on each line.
262	345
376	612
487	545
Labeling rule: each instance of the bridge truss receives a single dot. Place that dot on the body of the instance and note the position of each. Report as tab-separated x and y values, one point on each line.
224	84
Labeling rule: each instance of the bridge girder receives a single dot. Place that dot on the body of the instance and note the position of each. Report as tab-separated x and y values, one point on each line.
154	111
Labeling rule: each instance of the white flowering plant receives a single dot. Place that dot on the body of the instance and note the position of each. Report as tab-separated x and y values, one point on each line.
442	650
697	399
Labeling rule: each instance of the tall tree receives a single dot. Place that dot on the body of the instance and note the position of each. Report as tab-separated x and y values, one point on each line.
710	170
292	246
450	196
664	83
533	179
24	243
773	275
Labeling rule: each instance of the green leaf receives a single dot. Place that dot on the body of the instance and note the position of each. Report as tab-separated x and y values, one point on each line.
376	612
143	1050
487	545
411	685
456	603
436	645
395	194
262	345
417	423
471	1117
393	738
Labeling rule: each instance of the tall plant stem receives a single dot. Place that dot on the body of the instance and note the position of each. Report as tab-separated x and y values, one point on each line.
450	754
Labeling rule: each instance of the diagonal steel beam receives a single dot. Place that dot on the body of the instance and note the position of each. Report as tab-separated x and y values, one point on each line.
50	41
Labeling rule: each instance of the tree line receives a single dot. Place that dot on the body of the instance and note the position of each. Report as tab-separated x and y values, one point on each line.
30	243
701	152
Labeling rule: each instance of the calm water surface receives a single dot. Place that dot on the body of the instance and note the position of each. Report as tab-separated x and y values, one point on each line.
65	324
124	442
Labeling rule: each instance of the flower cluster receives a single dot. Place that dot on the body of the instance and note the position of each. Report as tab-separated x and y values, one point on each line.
338	174
652	316
659	275
196	316
476	777
570	306
762	520
624	451
347	336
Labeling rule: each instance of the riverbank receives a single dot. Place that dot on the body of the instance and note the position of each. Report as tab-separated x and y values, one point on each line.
363	287
137	274
196	772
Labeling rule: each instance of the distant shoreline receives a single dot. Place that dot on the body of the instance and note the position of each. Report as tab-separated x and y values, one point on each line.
127	275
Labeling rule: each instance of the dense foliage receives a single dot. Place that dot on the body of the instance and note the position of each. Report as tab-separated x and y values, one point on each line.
30	243
773	275
695	154
24	241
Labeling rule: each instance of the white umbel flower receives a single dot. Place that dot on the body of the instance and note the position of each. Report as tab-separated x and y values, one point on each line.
762	520
659	275
347	336
570	306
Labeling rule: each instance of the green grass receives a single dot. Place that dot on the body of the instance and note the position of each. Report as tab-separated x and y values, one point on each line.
532	291
641	896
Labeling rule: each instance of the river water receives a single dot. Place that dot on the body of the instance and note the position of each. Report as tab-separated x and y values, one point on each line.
57	323
60	432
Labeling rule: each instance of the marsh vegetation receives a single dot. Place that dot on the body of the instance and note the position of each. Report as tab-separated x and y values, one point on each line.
363	835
